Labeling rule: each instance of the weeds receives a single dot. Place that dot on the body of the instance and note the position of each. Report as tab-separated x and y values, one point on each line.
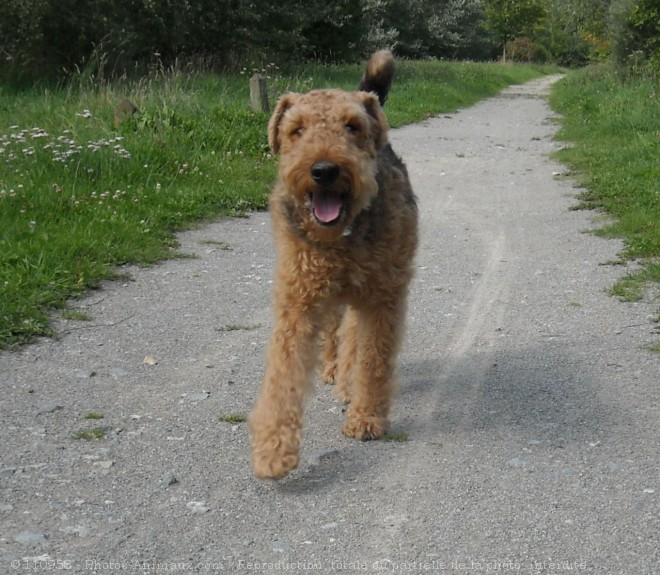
89	434
233	418
395	437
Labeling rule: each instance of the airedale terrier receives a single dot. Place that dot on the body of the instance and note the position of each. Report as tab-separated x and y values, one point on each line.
345	223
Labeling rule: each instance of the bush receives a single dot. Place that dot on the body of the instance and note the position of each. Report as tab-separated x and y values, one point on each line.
525	50
635	35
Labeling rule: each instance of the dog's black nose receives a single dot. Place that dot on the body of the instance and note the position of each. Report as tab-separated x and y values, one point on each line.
325	173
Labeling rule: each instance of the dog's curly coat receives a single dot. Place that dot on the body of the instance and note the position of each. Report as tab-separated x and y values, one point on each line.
345	223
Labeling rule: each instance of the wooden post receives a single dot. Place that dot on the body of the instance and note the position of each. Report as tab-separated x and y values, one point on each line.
259	94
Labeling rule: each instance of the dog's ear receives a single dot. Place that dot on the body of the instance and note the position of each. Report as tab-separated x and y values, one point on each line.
379	125
284	103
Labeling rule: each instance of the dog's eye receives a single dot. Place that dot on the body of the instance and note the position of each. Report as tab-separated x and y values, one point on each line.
297	132
352	127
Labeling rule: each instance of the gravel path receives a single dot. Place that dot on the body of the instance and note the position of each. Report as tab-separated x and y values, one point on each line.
530	405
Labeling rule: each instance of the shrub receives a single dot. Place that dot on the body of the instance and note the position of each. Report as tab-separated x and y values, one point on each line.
635	35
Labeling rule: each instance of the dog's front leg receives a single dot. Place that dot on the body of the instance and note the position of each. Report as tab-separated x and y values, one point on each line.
377	331
276	420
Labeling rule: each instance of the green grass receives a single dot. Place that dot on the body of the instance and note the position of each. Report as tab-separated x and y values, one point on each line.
399	437
614	128
79	196
233	418
89	434
654	347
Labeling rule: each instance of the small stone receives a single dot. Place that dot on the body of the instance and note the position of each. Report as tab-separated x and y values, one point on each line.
31	538
84	373
196	396
46	446
49	408
80	530
316	457
197	506
167	481
149	360
518	463
104	464
6	507
651	491
534	442
331	525
280	546
118	372
7	472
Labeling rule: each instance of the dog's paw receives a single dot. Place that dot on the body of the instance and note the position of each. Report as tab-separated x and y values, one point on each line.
273	464
329	373
364	427
274	450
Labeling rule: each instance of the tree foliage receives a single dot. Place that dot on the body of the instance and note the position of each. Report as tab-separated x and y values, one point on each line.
508	19
54	38
575	31
635	35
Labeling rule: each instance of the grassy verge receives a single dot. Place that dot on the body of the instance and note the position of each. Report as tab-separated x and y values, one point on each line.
614	128
79	195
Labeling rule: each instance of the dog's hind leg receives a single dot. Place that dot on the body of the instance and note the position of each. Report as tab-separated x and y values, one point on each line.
347	356
330	343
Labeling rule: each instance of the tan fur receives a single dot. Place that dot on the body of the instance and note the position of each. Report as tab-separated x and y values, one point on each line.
341	286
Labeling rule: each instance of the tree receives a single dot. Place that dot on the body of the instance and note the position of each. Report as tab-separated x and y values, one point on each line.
508	19
575	31
424	28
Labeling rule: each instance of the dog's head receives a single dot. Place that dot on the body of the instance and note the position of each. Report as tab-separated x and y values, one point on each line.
329	142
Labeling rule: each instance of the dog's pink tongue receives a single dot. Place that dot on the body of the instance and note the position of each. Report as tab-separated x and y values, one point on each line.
326	205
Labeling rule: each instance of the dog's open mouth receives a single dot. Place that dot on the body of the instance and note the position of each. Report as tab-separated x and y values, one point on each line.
327	206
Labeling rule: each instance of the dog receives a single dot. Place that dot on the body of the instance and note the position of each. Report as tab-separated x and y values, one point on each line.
344	219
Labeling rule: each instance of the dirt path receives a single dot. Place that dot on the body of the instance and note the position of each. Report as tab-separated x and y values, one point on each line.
531	410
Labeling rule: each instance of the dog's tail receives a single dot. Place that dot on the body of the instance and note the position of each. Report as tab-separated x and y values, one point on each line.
379	74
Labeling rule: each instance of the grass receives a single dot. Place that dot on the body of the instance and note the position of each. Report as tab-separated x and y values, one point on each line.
79	196
613	126
233	418
89	434
395	437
